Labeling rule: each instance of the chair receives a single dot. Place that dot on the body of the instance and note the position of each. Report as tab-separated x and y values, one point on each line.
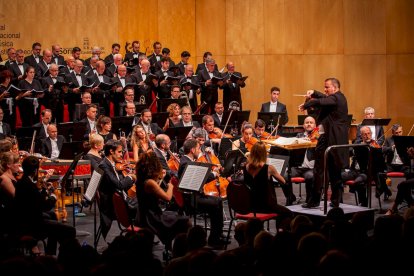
125	223
298	180
240	205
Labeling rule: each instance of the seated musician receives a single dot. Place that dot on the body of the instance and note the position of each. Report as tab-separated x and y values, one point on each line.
96	143
30	204
256	175
378	170
186	119
52	145
174	116
218	114
305	170
247	140
45	120
377	132
212	205
146	121
90	120
129	96
140	142
104	126
259	130
111	182
392	159
149	192
213	134
162	151
404	190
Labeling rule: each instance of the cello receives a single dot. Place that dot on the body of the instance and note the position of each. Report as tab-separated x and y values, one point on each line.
217	187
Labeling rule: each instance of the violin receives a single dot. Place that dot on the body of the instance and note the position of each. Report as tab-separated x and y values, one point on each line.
217	133
268	136
249	144
374	144
314	134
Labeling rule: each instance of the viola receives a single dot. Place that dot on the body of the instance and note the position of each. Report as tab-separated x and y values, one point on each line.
217	133
173	162
268	136
314	134
374	144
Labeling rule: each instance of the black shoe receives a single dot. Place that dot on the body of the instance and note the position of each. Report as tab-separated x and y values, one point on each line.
387	194
290	200
310	204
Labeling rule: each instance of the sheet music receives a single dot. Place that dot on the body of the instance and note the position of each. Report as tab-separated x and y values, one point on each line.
290	141
277	163
193	177
93	186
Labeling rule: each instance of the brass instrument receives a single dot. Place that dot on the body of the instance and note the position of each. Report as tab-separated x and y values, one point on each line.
142	99
234	105
183	95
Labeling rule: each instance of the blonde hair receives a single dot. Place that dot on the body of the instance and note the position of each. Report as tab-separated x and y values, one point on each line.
8	158
95	139
170	109
134	137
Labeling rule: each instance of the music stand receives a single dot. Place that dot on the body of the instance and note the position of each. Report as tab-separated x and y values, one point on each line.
89	197
234	160
198	118
71	149
194	176
402	144
178	134
27	131
72	131
70	173
123	123
160	118
375	122
272	118
164	103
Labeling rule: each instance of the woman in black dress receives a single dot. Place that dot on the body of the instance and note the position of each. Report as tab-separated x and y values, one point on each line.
165	224
257	176
104	126
96	143
28	101
7	101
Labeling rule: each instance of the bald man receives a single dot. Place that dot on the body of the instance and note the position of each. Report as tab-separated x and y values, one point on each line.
42	68
144	87
231	90
52	145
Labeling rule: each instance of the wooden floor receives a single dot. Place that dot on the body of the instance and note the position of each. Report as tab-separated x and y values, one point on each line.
85	224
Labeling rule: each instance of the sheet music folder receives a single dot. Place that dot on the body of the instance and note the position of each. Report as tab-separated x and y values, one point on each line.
376	122
194	176
280	162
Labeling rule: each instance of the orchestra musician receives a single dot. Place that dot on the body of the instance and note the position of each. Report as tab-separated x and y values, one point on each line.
52	145
393	161
90	120
175	91
256	176
259	130
31	206
162	151
104	126
218	114
149	192
139	141
275	105
333	129
212	205
377	131
45	120
96	144
111	182
231	90
174	116
305	170
186	118
151	128
246	142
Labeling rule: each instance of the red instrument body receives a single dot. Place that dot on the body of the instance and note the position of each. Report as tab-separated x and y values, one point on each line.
217	187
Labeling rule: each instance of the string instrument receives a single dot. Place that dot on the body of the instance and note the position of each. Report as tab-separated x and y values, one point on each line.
268	136
249	144
153	102
126	167
173	162
314	135
374	144
217	187
199	108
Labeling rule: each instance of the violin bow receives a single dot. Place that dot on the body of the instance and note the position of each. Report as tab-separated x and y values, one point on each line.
277	126
225	127
410	130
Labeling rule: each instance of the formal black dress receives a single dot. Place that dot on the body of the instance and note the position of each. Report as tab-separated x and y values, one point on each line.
9	106
95	160
29	110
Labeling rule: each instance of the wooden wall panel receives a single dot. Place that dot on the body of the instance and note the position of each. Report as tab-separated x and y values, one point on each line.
244	27
177	29
365	80
283	26
364	27
138	20
72	25
317	68
323	27
400	23
400	94
210	28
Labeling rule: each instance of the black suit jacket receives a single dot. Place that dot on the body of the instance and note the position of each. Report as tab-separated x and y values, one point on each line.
46	149
6	129
32	61
14	68
231	91
279	108
184	160
42	133
202	66
216	119
41	70
109	59
208	91
379	134
59	60
163	161
110	183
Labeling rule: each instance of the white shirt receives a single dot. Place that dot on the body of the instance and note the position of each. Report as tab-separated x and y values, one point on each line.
55	149
45	127
91	124
273	107
1	127
373	132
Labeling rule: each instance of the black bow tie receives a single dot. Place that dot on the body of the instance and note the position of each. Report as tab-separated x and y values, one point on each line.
100	75
20	64
122	78
78	74
54	78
